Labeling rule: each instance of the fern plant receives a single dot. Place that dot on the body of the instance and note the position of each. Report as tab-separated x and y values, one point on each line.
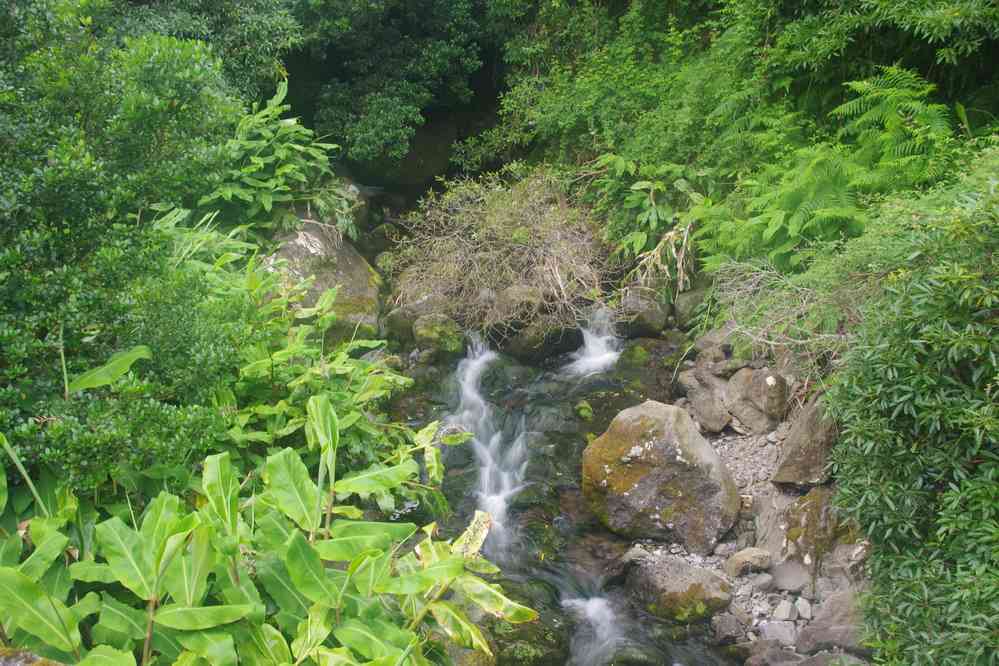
905	138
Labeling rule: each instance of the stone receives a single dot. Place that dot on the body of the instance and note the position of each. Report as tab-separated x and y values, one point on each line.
762	582
311	252
783	632
786	611
746	561
804	607
671	588
706	399
837	625
642	315
833	659
771	653
646	368
727	628
652	475
439	333
398	323
535	342
685	306
791	576
805	455
812	528
757	398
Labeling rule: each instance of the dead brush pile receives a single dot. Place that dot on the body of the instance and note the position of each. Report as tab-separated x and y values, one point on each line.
497	257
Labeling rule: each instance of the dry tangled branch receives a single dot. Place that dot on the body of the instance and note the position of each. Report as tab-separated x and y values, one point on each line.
495	256
807	328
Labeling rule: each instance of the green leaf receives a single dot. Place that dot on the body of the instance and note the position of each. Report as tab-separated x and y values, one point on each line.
377	479
221	488
470	542
117	618
274	575
89	571
10	550
215	647
458	627
3	488
435	466
308	573
265	645
335	657
350	538
312	632
123	549
187	618
365	639
294	492
323	427
24	601
186	578
105	655
108	373
491	599
417	582
44	554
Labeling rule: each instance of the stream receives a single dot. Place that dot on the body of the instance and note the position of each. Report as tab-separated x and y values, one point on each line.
525	452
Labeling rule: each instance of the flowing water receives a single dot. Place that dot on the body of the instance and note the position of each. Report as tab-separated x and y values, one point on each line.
605	630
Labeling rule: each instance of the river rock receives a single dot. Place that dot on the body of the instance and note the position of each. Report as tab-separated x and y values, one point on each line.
833	659
727	628
685	305
781	631
642	315
837	625
669	587
535	343
772	653
440	334
706	398
757	398
806	449
652	475
311	252
747	560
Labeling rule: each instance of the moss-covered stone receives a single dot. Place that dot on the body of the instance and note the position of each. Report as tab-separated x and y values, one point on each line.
675	590
439	333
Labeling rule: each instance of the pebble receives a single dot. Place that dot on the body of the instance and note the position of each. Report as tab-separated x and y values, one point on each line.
786	611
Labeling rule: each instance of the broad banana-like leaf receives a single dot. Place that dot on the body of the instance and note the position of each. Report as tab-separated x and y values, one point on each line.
215	647
186	577
295	493
425	437
312	632
118	365
371	572
323	426
458	627
264	645
44	554
438	573
89	571
491	599
377	479
129	560
3	486
119	624
434	464
185	618
158	522
242	590
89	605
350	538
335	657
36	613
105	655
470	542
221	488
366	639
293	605
10	550
308	573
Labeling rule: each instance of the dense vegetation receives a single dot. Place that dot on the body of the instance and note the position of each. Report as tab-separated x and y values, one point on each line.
829	164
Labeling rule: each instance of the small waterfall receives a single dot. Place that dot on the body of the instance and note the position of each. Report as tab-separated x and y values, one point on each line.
600	631
600	350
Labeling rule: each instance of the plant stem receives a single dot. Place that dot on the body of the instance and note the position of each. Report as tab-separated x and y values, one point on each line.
147	647
24	473
62	359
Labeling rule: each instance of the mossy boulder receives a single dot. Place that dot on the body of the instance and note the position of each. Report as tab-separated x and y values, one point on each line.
805	455
440	334
333	264
673	589
536	342
642	314
652	475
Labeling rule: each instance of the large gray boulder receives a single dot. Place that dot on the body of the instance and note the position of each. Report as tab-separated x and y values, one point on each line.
669	587
838	625
642	315
652	475
805	456
706	397
757	398
334	264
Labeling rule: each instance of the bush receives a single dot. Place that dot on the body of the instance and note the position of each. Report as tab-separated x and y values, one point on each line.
917	463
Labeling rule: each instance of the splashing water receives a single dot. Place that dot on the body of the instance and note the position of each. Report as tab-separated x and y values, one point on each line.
600	350
600	631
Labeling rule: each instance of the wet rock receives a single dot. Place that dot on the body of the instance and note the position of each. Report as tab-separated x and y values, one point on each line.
757	398
806	449
783	632
535	343
746	561
643	316
311	252
706	398
833	659
440	334
652	475
837	625
771	653
398	323
669	587
727	628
